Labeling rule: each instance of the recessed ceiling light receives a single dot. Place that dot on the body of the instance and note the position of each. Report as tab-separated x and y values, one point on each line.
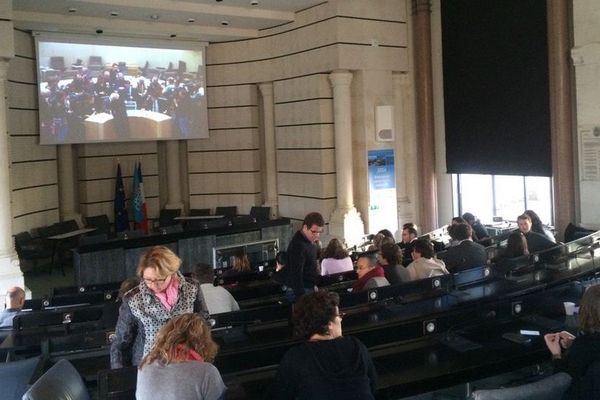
173	35
114	13
224	23
254	2
218	1
72	10
190	20
155	17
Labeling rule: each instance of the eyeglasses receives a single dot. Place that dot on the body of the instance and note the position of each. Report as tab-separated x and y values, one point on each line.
341	315
316	231
155	281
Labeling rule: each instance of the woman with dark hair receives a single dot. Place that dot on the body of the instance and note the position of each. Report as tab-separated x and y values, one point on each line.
575	355
335	258
538	226
179	366
390	258
327	365
425	264
516	245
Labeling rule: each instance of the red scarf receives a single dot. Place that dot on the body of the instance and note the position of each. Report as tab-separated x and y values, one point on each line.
360	282
168	297
184	353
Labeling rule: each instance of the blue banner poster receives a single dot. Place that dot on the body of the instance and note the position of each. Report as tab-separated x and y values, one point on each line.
383	206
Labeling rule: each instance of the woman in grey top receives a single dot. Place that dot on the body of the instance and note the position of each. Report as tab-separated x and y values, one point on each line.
179	366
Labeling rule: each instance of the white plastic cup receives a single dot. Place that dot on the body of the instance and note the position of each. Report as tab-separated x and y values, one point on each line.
569	308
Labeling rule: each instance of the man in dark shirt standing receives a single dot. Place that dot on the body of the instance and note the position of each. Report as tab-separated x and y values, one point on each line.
301	271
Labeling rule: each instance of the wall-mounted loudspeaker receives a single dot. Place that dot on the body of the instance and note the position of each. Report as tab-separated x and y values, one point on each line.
384	123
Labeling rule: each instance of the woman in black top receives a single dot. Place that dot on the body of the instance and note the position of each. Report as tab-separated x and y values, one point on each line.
328	365
575	355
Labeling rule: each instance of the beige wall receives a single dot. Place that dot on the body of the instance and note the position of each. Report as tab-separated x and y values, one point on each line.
586	60
226	169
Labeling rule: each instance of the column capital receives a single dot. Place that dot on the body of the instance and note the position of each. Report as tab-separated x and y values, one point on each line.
266	89
421	6
340	78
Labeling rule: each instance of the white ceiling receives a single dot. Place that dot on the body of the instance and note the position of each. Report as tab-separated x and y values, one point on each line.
187	19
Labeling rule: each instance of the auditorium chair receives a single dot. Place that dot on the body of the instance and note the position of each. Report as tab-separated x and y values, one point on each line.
32	249
100	222
260	213
229	212
16	376
199	212
167	217
95	65
550	388
57	63
61	382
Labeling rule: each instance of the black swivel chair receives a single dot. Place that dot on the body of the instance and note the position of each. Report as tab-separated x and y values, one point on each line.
167	217
260	213
199	212
228	212
61	382
100	222
32	249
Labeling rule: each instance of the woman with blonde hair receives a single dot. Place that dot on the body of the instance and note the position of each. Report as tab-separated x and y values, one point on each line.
179	365
163	293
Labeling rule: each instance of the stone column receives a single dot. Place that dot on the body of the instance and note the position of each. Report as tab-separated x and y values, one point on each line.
66	184
10	273
561	119
345	221
405	156
173	176
421	10
266	90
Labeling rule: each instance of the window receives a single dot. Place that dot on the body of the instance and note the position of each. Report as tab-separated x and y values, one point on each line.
506	196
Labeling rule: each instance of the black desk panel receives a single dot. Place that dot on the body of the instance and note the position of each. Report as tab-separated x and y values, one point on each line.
115	260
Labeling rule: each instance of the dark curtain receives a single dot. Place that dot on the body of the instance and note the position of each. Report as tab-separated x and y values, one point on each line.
496	90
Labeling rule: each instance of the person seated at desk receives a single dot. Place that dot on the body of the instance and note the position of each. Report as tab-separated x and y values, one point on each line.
390	259
575	355
466	254
327	365
535	241
516	246
216	298
409	235
370	273
179	366
538	227
241	264
425	264
335	259
479	231
15	299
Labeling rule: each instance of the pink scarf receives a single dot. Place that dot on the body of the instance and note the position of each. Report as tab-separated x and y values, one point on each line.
184	353
168	297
